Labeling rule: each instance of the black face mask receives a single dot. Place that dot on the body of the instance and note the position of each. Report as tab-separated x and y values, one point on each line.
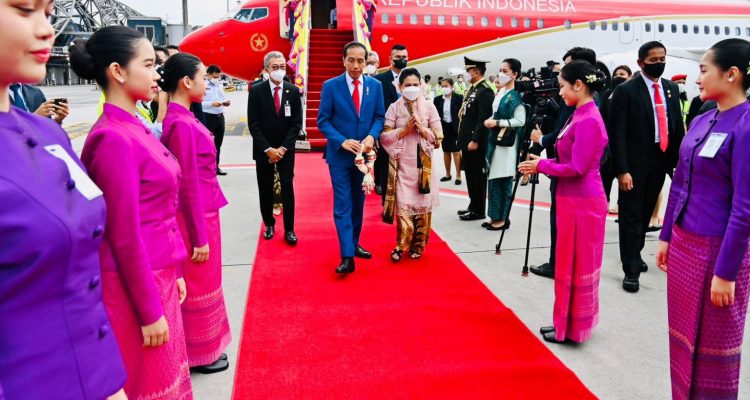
655	70
616	81
400	63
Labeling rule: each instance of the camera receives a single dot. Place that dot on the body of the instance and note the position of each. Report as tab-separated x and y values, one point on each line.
541	92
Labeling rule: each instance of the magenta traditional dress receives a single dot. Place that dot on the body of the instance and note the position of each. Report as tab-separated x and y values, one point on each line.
204	313
412	208
581	219
142	250
707	225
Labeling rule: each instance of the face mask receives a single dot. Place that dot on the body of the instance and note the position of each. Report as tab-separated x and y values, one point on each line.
411	93
447	90
265	76
503	79
370	69
460	78
655	70
616	81
278	75
467	77
682	87
400	63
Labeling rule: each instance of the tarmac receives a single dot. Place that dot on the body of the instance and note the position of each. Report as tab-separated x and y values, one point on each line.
627	357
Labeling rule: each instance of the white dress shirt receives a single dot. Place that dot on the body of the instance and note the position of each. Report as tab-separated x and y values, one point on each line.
650	85
214	92
447	109
350	83
281	90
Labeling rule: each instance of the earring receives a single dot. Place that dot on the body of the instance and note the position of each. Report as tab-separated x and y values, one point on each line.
122	81
731	80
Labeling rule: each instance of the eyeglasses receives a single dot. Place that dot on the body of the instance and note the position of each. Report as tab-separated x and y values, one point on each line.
277	67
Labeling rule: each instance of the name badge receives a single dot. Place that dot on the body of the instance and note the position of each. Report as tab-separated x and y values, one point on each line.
713	144
287	110
84	184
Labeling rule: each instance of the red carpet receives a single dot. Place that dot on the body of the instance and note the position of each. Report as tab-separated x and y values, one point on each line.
425	329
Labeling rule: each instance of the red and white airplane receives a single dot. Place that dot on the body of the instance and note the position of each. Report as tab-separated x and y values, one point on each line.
438	33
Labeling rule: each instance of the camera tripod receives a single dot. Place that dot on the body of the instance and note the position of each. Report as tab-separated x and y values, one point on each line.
533	180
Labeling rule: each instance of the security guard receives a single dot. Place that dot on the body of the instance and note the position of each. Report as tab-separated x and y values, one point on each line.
473	136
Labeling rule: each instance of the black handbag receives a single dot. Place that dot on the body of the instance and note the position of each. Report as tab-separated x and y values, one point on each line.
504	137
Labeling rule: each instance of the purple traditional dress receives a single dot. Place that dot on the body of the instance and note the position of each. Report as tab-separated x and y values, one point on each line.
581	219
55	337
204	313
411	169
708	227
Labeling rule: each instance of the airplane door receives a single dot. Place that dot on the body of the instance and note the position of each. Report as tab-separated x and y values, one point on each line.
627	30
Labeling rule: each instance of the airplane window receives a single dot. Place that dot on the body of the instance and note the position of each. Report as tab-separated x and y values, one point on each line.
251	14
684	28
499	22
738	31
706	29
647	26
399	19
540	23
485	21
428	19
441	20
717	30
470	20
527	22
454	20
384	18
615	25
592	25
569	24
514	22
661	28
696	29
413	19
604	25
747	31
727	31
626	27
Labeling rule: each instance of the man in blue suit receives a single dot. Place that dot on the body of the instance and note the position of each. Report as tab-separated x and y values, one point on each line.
351	118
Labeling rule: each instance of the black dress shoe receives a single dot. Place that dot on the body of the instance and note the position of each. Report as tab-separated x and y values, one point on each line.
268	233
653	228
471	216
546	329
223	356
545	270
505	226
362	253
290	237
550	337
631	284
346	266
218	366
485	224
220	172
644	266
378	189
462	212
445	178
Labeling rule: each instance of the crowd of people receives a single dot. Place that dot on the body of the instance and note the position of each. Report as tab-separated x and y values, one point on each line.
131	301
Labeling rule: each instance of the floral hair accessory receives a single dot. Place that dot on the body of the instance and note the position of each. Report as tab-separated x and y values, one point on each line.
748	69
593	78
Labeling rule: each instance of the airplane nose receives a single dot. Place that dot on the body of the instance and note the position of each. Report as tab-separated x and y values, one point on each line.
200	43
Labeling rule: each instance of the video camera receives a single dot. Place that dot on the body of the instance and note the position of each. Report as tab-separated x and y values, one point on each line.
541	93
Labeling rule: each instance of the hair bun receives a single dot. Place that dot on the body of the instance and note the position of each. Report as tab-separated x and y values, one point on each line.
81	60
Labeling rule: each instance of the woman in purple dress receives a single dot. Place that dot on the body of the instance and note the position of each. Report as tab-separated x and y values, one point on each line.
55	337
704	243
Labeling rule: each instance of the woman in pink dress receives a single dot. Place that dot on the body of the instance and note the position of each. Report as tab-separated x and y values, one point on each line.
581	206
142	248
203	313
412	131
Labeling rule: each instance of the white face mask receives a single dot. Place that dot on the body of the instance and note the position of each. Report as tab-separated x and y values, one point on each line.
447	90
265	76
682	87
467	77
370	69
503	79
278	75
411	93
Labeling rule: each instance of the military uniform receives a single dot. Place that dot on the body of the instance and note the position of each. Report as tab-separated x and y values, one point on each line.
476	108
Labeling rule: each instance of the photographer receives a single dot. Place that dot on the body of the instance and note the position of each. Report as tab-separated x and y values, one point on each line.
30	98
547	141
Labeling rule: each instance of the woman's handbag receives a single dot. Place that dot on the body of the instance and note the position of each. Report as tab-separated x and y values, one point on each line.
505	137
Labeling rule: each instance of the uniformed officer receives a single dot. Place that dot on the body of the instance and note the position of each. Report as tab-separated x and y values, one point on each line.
473	136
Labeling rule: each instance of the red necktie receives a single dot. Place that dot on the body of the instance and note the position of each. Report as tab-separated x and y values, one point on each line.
276	99
355	95
661	117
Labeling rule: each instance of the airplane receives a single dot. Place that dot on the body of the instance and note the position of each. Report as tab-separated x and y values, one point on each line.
439	33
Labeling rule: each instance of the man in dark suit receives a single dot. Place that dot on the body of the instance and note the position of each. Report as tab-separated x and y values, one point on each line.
449	122
351	117
473	136
274	116
647	129
32	99
399	59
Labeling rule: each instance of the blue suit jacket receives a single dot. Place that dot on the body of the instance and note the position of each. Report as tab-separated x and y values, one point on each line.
338	120
33	97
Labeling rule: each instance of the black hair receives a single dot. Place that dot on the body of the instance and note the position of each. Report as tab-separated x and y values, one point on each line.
730	53
440	78
173	47
177	67
515	65
648	46
407	72
354	44
398	47
581	53
449	80
586	73
161	48
427	78
213	69
624	68
91	58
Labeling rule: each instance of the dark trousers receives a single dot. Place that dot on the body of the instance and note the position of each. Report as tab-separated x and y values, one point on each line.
215	124
635	209
472	162
265	173
607	172
553	221
381	171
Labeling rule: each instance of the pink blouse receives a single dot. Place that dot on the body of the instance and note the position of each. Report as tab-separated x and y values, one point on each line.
193	146
140	180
